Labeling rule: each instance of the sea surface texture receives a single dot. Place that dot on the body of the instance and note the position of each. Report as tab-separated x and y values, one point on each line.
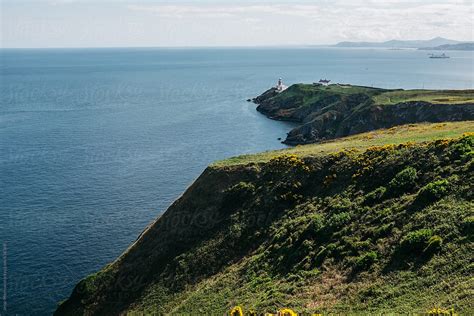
96	143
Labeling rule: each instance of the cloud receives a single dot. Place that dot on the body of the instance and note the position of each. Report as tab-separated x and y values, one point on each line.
218	11
336	9
356	19
194	23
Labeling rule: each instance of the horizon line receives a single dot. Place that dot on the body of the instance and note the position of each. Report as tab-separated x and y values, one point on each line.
333	45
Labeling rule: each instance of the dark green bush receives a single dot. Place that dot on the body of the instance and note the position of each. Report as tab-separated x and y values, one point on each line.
434	244
468	225
339	220
239	192
375	196
307	246
316	223
416	241
383	230
340	204
463	148
321	254
365	260
404	181
433	191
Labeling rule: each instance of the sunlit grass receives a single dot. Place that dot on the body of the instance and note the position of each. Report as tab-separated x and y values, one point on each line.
395	135
435	97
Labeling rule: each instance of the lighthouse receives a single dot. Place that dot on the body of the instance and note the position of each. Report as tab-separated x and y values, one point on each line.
280	86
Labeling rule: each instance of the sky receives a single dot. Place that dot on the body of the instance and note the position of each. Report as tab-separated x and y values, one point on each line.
152	23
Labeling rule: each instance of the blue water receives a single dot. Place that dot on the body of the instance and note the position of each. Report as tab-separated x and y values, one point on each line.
96	143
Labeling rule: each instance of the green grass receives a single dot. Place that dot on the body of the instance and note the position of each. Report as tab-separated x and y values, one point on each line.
327	112
386	230
331	249
312	93
336	88
308	94
432	96
395	135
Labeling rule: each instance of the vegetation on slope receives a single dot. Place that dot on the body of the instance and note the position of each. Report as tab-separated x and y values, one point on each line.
333	111
380	229
394	135
432	96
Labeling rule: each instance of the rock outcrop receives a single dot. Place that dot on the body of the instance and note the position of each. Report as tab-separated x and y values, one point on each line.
331	112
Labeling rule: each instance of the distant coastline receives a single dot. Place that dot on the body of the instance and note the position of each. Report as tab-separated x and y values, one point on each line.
460	46
434	43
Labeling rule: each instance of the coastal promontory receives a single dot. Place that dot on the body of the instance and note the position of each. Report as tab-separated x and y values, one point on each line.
379	222
331	111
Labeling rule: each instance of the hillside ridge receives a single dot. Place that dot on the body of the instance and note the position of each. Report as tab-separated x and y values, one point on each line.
399	43
375	228
337	110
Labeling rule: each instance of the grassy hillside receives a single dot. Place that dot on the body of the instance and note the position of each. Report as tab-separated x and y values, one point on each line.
327	112
432	96
365	224
398	134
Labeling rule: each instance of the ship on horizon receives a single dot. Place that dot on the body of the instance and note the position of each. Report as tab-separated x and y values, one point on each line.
443	55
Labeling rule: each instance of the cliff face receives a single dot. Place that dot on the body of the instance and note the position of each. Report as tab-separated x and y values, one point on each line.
154	257
336	111
388	227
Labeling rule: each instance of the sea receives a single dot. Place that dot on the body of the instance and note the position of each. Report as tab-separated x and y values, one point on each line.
96	143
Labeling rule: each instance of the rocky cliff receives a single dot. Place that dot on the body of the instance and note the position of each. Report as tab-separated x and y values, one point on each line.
371	224
341	110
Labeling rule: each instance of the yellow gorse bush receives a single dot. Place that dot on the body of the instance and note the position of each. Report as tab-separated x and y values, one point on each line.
373	155
443	142
237	311
287	312
289	161
437	311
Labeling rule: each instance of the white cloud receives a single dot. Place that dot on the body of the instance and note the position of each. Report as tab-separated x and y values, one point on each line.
219	11
195	23
357	19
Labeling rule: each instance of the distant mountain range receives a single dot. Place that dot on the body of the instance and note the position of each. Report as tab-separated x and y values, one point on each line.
461	46
434	42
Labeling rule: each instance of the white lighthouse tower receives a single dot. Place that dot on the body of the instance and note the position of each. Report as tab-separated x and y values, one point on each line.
280	86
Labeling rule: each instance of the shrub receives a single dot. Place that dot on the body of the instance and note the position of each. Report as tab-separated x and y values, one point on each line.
307	246
434	244
365	260
416	240
339	220
468	225
237	194
286	164
316	223
404	180
433	191
242	187
463	147
236	311
375	196
287	312
340	204
441	312
321	255
383	230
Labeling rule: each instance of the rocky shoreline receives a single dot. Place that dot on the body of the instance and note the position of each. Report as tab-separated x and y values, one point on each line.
328	112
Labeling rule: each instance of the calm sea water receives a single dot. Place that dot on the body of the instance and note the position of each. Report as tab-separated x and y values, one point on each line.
96	143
